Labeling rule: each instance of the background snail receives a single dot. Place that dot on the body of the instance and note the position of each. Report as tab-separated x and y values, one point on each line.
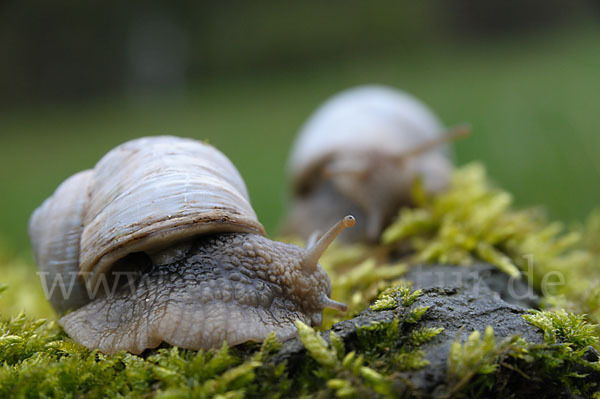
359	153
159	243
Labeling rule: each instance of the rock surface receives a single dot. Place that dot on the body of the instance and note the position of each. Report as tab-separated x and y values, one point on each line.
476	278
460	300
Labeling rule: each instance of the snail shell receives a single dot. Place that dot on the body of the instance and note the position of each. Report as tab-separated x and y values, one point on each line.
360	153
159	243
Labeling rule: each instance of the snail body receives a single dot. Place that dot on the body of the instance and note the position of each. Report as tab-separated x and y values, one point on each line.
159	243
360	153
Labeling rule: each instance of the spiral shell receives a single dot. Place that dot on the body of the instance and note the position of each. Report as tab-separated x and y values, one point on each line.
169	189
55	229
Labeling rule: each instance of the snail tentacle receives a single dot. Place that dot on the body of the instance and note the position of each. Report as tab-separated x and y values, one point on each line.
313	254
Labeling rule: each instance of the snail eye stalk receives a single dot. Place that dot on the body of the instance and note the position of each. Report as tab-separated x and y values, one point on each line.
311	259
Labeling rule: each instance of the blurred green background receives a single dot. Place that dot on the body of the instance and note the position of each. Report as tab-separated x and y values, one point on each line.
79	79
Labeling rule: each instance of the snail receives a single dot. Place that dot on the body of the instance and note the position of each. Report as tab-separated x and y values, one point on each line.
158	243
360	153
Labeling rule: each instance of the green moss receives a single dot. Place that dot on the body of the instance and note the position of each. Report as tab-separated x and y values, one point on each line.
416	314
316	346
478	356
391	349
378	338
472	221
385	300
424	335
358	282
38	360
564	328
475	367
408	296
345	374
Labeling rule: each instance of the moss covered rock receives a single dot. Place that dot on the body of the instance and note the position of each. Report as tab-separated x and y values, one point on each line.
463	327
431	346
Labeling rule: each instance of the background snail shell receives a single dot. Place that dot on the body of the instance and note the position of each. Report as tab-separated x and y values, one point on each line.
175	214
349	158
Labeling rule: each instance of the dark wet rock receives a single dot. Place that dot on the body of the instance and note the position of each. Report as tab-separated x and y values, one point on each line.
512	290
460	301
591	355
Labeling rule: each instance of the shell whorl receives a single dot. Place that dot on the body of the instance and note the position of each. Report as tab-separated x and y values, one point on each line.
142	196
363	119
55	230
